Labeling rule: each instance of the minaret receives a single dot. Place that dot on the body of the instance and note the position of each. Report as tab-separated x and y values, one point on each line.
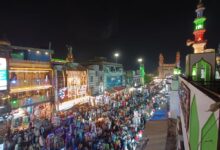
218	57
70	54
178	59
160	68
199	42
161	59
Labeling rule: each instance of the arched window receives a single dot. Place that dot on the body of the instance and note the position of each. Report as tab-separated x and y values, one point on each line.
201	71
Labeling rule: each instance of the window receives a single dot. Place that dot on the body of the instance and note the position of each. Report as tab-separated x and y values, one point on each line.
96	73
91	78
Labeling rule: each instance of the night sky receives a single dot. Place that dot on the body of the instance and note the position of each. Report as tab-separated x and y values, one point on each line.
96	28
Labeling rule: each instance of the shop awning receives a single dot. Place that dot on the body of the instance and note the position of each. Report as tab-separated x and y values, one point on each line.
110	91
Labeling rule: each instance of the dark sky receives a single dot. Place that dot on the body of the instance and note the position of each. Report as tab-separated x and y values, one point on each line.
97	28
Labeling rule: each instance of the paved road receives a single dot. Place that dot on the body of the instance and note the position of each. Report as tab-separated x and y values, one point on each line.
156	132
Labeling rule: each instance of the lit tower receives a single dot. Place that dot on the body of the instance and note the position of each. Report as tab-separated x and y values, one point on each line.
69	54
199	42
160	68
161	59
178	59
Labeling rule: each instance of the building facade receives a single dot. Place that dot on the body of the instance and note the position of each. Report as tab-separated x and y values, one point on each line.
111	75
4	84
95	85
31	81
70	84
26	85
133	78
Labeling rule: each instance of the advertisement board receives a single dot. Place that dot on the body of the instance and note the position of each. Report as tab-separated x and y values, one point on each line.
76	83
3	74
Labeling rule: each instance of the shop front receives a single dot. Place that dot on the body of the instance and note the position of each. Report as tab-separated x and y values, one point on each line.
29	98
21	117
30	105
75	92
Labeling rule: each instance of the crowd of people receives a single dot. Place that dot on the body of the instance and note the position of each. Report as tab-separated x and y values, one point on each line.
114	125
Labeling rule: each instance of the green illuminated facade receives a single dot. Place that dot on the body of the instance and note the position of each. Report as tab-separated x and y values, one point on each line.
201	71
177	71
199	23
142	73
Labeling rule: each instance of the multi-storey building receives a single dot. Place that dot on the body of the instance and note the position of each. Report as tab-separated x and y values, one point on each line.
133	78
94	85
111	75
4	84
70	82
199	95
30	81
26	87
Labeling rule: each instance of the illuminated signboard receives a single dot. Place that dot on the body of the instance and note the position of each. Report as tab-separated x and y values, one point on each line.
114	81
76	83
3	74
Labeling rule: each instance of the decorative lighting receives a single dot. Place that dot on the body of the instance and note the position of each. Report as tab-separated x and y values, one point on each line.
27	71
38	52
13	81
46	53
30	88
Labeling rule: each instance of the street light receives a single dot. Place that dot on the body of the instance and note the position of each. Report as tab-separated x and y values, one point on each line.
116	57
140	60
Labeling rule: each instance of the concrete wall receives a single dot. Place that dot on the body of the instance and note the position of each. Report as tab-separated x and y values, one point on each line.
203	102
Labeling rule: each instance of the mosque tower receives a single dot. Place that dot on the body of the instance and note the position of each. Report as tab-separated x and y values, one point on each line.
199	42
178	59
70	57
161	60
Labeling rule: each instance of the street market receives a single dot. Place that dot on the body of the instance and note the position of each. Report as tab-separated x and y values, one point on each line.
115	121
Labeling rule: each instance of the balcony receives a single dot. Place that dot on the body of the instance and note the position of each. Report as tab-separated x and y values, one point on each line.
29	85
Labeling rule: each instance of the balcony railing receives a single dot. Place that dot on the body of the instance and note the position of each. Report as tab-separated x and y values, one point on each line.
211	88
29	85
26	83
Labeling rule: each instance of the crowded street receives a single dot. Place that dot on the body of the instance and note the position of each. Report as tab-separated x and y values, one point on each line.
114	122
109	75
